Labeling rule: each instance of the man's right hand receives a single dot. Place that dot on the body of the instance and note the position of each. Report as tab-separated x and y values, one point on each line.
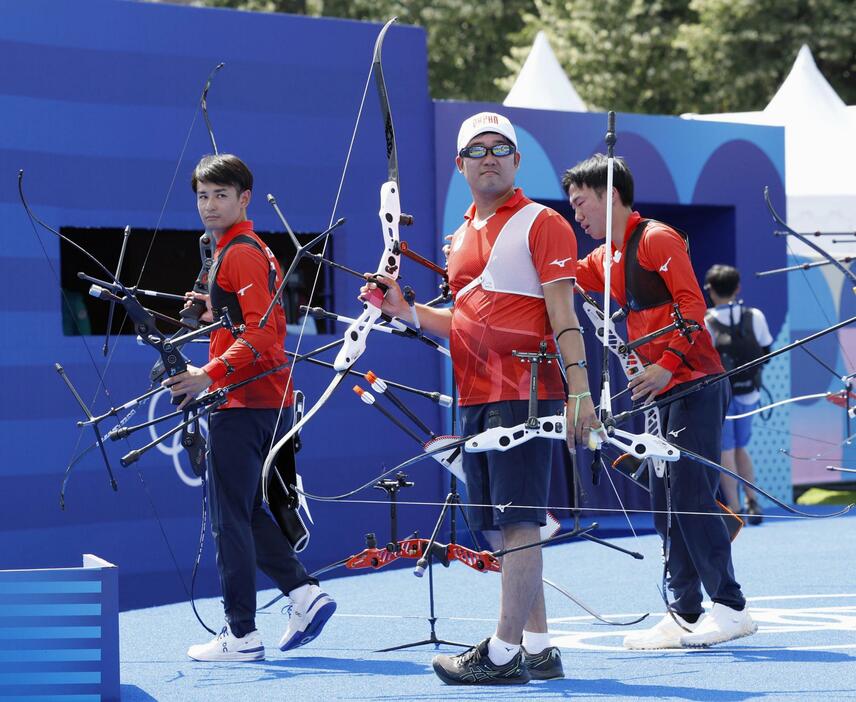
586	421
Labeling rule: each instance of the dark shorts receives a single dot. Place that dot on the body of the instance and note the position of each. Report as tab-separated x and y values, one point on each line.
507	483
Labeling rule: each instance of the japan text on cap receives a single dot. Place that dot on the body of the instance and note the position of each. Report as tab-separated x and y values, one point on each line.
483	123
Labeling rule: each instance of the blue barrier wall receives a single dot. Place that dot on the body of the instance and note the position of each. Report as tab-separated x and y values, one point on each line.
60	633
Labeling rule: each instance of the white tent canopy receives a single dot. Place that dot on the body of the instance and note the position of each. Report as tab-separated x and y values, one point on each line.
820	150
542	83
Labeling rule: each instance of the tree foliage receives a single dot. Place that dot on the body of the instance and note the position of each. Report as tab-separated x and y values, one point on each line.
741	50
618	53
673	56
648	56
467	41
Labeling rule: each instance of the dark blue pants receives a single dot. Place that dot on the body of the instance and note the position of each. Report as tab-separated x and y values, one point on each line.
245	534
700	548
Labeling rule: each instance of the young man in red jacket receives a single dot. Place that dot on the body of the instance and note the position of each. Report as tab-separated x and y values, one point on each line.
651	270
243	278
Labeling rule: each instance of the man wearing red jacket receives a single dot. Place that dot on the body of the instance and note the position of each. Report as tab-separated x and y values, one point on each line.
650	271
243	278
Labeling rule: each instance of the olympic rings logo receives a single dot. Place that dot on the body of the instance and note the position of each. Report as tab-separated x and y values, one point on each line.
174	448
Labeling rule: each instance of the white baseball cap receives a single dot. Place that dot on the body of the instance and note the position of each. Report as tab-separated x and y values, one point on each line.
483	123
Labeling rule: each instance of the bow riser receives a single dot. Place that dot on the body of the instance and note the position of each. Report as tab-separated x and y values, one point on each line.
504	438
358	330
641	446
631	364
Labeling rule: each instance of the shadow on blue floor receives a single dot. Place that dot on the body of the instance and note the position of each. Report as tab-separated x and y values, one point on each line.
132	693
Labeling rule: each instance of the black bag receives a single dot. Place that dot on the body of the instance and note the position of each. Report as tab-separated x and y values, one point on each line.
737	346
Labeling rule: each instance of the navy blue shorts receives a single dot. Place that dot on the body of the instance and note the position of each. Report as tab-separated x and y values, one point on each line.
508	483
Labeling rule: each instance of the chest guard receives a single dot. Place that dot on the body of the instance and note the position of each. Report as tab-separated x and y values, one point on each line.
221	298
644	289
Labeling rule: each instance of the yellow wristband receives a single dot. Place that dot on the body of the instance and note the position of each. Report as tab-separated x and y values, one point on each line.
577	399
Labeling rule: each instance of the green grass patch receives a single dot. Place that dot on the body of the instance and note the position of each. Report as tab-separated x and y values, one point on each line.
820	496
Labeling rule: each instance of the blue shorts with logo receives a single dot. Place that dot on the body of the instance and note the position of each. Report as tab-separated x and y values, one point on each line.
507	487
737	432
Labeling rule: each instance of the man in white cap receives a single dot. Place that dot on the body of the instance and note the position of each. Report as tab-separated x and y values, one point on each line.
511	269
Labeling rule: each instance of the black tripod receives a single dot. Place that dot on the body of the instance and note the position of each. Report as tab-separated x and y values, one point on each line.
433	549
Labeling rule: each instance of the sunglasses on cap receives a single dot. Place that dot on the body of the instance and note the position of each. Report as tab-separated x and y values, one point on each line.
480	151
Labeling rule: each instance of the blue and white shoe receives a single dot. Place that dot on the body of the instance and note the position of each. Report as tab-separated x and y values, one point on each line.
308	618
226	647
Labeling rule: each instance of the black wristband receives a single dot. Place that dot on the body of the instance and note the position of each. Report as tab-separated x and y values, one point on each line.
567	329
581	364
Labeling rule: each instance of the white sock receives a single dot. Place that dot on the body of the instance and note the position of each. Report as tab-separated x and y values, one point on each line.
535	641
501	652
299	594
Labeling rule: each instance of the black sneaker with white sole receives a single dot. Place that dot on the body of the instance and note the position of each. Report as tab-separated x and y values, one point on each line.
474	667
546	665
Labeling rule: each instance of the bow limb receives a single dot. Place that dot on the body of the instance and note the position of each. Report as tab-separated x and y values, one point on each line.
848	275
354	338
579	603
270	459
805	240
439	450
632	365
390	218
780	403
646	446
748	483
190	315
203	104
704	382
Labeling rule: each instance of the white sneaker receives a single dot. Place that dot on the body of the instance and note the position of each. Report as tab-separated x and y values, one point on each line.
720	625
666	634
225	647
308	617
